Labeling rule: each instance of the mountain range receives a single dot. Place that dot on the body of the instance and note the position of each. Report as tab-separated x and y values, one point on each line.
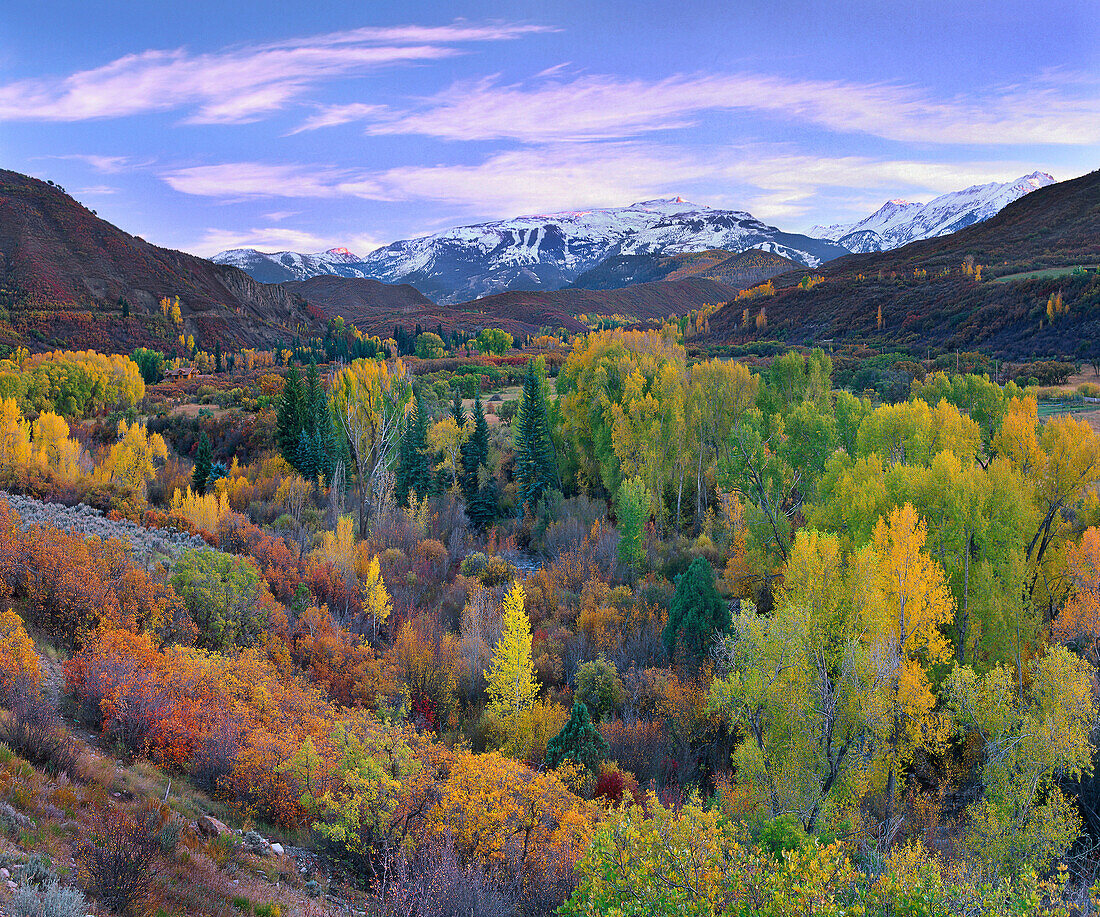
554	251
899	222
544	251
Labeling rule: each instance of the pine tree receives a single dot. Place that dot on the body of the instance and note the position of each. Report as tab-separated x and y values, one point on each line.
475	452
414	466
290	418
204	458
217	356
579	741
511	676
535	467
697	613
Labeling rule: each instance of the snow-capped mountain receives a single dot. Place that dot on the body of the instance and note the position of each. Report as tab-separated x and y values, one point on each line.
549	251
275	267
545	251
899	222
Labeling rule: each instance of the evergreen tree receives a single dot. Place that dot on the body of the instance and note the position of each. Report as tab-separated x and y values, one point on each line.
697	613
305	457
474	452
511	676
458	412
324	449
204	458
535	466
579	741
290	418
217	357
414	465
485	505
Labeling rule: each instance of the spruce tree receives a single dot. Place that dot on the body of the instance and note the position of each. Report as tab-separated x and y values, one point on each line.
485	505
217	356
414	466
475	452
535	467
290	418
458	412
579	741
697	613
204	458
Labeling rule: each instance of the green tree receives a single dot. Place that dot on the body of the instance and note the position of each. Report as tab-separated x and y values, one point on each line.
632	505
535	466
290	418
458	412
579	741
494	341
475	452
204	458
599	687
697	614
414	462
430	346
225	597
511	677
150	364
1028	740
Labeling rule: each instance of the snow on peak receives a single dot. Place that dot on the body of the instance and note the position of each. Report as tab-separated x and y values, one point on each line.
899	222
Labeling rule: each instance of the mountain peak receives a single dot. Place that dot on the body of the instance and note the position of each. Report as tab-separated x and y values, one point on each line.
898	221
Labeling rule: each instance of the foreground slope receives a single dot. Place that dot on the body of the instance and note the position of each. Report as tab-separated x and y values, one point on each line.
927	299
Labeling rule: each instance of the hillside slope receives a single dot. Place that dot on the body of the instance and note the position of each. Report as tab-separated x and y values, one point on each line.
64	274
738	270
927	300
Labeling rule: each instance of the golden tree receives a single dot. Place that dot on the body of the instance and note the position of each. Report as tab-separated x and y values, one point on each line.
512	685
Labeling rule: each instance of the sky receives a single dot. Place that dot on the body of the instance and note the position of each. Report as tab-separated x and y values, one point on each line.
211	125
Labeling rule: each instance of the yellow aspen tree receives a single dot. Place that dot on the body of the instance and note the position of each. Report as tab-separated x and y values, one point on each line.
512	686
375	597
15	441
130	460
53	448
906	600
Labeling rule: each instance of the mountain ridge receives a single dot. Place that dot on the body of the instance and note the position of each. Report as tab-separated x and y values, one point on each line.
898	221
549	251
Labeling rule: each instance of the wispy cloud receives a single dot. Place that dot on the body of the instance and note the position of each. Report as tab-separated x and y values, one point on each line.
236	84
1051	109
333	115
242	180
772	182
276	238
108	165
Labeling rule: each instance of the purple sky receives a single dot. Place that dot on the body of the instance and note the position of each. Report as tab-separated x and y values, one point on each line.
205	126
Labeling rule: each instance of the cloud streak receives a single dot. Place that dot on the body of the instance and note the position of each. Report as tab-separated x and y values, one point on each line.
235	85
592	107
772	182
